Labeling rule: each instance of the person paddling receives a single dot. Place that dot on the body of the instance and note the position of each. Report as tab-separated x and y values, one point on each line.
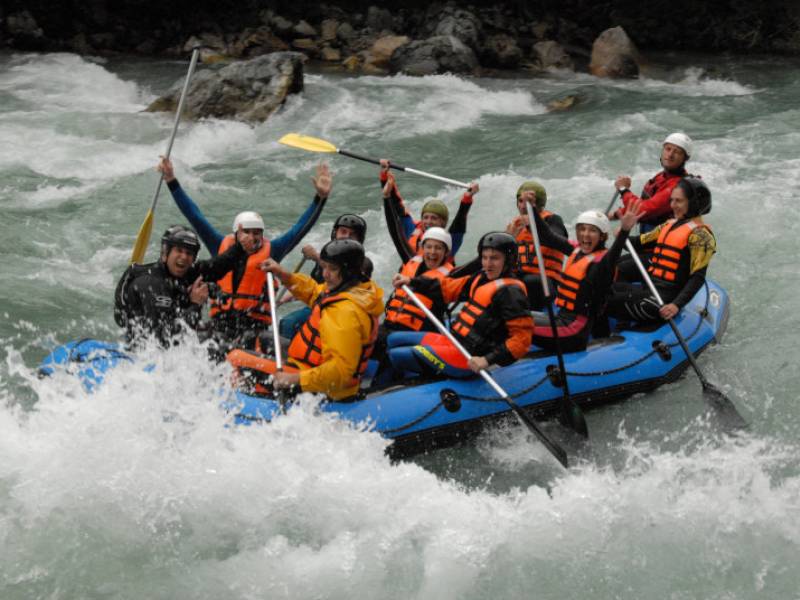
434	214
534	193
329	354
494	325
681	250
241	311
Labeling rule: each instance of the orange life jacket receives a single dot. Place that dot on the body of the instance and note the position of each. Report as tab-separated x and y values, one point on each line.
415	239
480	298
569	295
526	253
400	309
672	245
246	297
305	350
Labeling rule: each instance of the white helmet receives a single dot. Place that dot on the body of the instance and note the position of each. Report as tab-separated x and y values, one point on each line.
681	140
438	234
248	220
596	218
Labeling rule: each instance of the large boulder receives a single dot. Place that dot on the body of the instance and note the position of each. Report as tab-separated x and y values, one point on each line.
550	54
438	54
614	55
382	50
247	90
501	50
459	23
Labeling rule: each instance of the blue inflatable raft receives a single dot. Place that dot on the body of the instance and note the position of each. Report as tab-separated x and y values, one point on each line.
421	415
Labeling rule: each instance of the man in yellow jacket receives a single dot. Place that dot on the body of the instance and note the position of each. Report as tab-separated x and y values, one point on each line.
329	354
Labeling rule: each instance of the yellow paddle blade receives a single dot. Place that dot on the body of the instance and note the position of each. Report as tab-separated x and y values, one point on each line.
139	248
306	142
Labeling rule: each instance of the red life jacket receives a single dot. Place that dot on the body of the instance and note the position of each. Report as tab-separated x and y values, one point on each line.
669	262
305	350
246	297
400	309
415	239
526	253
663	180
480	298
571	291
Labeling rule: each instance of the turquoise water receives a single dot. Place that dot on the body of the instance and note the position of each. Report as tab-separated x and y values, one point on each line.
138	491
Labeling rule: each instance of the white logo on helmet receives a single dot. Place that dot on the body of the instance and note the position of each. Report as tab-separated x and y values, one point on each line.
681	140
248	220
596	218
440	235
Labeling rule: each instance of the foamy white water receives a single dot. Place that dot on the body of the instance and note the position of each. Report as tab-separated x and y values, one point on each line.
143	490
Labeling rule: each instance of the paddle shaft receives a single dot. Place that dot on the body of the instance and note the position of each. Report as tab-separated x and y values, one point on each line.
570	412
555	449
178	113
276	339
613	200
404	169
284	289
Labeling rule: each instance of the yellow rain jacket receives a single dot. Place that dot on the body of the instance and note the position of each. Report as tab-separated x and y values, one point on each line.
346	328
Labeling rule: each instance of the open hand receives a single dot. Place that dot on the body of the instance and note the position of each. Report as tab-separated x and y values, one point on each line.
323	181
633	213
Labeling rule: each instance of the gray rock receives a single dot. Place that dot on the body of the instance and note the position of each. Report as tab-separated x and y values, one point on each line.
279	24
501	50
22	24
303	29
438	54
379	19
328	30
460	24
550	54
247	90
614	55
345	32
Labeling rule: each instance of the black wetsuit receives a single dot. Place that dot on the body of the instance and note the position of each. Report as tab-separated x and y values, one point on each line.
150	301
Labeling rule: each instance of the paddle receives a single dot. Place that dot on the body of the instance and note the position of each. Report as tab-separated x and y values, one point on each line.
613	199
571	414
143	238
276	338
312	144
285	289
556	450
723	406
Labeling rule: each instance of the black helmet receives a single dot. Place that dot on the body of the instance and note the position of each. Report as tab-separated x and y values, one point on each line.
499	240
698	194
367	267
178	235
347	254
353	222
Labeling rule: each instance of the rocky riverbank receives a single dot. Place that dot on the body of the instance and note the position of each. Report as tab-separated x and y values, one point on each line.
418	38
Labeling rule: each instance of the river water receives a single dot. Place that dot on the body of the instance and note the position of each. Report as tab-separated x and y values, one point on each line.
140	491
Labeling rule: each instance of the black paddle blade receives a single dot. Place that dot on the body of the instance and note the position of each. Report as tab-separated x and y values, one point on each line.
557	451
572	416
724	408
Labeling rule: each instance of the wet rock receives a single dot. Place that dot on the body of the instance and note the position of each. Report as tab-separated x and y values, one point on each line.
438	54
280	25
248	90
328	30
306	45
329	54
614	55
24	31
501	50
305	30
564	103
381	51
379	19
255	42
460	24
550	54
345	32
352	63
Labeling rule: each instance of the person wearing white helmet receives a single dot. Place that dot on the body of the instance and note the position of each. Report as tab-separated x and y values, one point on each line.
586	279
241	310
406	232
676	150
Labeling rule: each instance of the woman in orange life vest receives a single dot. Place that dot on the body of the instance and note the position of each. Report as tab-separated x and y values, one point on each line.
434	214
682	249
494	325
329	353
585	280
241	310
534	192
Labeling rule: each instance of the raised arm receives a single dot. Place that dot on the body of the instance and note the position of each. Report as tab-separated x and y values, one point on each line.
459	225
